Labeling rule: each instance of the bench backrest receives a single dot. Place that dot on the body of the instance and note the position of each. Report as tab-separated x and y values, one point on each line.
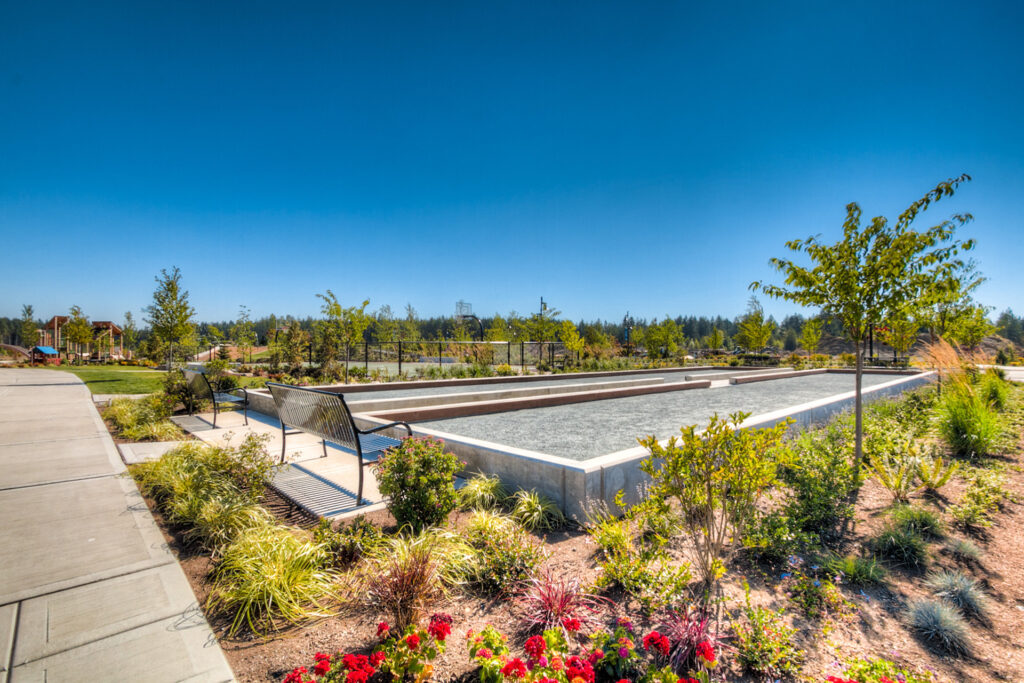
198	385
316	412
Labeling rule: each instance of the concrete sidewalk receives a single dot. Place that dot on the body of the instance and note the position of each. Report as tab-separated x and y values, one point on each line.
89	590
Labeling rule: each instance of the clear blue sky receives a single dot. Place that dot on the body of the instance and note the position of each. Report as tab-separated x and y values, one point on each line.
648	156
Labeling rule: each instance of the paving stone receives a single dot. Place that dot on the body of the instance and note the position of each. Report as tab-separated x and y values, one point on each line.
145	451
67	619
8	620
53	461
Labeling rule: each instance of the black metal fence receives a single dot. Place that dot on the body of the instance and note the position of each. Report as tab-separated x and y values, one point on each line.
410	354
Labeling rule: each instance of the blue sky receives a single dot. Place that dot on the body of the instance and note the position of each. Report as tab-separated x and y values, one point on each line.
641	156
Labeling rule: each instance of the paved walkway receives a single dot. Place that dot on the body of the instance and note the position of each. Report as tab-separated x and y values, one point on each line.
89	591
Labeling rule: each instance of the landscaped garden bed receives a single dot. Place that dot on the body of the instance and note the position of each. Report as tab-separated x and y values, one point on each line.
811	568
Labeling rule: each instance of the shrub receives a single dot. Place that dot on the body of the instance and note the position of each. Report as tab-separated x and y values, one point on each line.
417	477
772	538
856	570
503	561
547	602
964	549
218	520
610	533
482	491
901	547
649	575
407	653
270	572
505	370
821	478
818	597
717	477
918	520
620	658
143	419
961	591
764	642
534	511
966	423
939	625
351	541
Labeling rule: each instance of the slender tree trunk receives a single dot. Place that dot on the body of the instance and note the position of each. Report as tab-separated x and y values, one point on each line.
858	438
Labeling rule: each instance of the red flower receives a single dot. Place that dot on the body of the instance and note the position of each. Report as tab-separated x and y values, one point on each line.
706	652
515	668
439	628
658	642
571	624
296	675
357	677
624	680
376	658
579	668
382	628
322	667
484	653
595	656
535	647
412	641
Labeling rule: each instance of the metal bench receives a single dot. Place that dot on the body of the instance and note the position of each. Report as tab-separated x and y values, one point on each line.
326	415
200	389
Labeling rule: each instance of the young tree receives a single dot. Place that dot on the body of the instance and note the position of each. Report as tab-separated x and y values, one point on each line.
755	332
244	332
715	340
385	326
170	314
810	335
971	326
345	325
874	271
570	336
662	340
129	332
28	329
498	330
900	332
78	330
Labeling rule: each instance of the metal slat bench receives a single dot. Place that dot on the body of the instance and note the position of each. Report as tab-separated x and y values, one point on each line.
326	415
201	390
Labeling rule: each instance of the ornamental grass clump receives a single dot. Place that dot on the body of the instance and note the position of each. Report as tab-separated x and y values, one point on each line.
269	573
923	521
535	511
961	591
417	478
939	626
966	423
901	547
403	580
143	419
963	549
547	601
482	492
856	570
716	476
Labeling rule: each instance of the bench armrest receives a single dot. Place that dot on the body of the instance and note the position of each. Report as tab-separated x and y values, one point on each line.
390	424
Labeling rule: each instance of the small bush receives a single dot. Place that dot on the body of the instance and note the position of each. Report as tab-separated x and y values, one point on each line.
897	475
964	549
271	572
484	524
901	547
764	642
402	580
961	591
611	534
417	477
480	492
504	561
983	497
534	511
546	602
505	370
967	424
939	625
351	541
856	570
919	520
143	419
819	597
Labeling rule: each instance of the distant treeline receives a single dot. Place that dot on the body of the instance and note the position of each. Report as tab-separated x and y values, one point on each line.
386	327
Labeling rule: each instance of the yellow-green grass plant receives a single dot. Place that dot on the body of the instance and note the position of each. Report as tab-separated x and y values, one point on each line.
272	573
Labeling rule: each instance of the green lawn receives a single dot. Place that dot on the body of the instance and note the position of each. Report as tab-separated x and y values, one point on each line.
117	379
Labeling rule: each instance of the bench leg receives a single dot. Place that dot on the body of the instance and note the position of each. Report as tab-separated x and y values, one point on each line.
323	443
284	438
214	413
359	496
